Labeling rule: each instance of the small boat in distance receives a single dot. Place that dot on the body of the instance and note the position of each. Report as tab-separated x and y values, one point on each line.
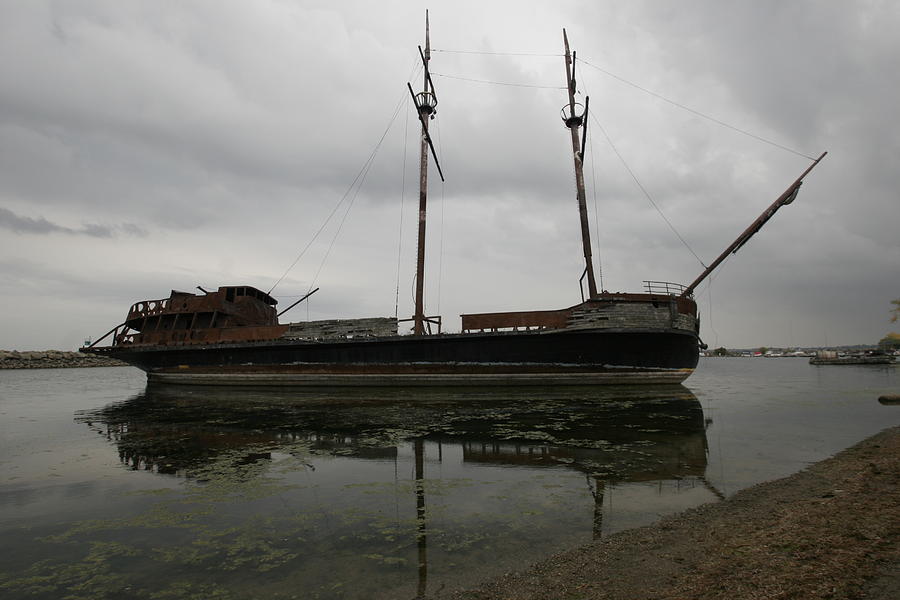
232	335
830	357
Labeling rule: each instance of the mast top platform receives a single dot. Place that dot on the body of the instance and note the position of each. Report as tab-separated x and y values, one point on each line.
572	116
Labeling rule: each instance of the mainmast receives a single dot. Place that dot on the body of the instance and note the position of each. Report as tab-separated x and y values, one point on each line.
573	120
426	102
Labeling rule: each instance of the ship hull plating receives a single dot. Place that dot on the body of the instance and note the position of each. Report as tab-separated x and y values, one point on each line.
579	357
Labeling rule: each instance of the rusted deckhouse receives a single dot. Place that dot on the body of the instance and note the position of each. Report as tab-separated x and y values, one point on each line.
230	314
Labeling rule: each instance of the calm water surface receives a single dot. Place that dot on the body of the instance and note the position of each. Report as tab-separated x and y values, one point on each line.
110	488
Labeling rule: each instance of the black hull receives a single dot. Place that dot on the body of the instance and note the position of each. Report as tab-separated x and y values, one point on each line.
592	356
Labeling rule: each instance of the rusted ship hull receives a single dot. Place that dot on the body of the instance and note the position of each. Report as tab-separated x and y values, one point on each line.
579	357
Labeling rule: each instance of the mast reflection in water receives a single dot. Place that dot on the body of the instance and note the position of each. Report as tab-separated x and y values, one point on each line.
348	487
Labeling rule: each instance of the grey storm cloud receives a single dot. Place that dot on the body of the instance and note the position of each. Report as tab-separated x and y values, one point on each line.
41	226
175	144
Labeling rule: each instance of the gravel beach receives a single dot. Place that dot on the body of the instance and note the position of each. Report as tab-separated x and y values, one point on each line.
829	531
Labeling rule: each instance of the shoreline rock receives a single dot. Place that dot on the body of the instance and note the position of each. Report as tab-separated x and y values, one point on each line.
53	359
829	531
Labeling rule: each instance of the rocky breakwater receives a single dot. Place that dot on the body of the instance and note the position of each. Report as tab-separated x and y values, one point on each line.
53	359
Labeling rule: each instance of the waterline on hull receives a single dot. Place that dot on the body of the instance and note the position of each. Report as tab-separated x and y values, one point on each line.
648	377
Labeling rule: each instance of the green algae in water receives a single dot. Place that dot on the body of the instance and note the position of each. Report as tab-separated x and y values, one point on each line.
274	495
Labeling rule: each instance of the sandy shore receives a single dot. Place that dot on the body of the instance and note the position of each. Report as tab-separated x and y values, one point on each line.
830	531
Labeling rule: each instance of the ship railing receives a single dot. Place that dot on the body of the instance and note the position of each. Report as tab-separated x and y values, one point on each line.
119	335
514	321
146	308
112	332
665	288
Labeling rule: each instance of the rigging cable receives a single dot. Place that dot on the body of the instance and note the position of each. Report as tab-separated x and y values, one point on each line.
614	76
414	72
314	237
361	178
340	226
488	81
337	205
693	111
496	53
441	242
596	209
402	196
644	190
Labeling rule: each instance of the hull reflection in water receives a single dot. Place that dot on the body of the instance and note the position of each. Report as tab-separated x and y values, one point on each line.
171	429
606	438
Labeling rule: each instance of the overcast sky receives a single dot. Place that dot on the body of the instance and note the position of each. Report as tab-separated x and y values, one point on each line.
150	146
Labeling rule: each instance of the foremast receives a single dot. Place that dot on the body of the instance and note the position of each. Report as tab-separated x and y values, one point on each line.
574	118
425	102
